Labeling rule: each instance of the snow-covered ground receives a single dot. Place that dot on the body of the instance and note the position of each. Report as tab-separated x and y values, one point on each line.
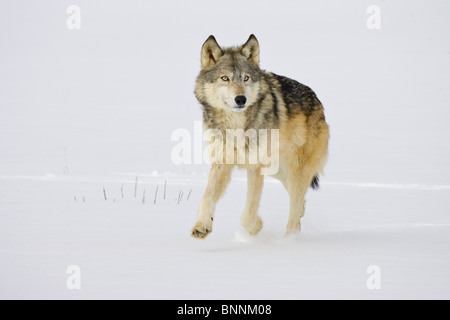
84	112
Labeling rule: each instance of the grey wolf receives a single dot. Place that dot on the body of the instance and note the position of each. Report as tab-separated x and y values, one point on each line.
235	93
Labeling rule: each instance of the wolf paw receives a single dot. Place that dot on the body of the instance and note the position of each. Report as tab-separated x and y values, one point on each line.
293	227
253	227
200	231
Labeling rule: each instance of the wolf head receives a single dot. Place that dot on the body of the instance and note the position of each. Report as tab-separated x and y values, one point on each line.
230	77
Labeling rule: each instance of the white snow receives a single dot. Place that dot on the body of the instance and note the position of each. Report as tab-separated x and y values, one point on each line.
84	112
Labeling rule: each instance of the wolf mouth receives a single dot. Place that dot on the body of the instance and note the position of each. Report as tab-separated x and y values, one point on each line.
239	108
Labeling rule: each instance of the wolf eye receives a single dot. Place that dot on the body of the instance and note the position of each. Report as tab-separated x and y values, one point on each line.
225	78
246	78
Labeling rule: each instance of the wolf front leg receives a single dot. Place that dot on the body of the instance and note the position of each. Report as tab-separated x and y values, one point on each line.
218	180
250	219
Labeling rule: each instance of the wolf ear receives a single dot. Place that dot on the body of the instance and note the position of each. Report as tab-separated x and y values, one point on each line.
251	49
211	52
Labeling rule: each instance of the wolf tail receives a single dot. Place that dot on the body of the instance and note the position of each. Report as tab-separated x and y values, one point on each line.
315	182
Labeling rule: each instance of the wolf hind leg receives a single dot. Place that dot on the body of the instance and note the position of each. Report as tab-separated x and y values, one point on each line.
299	180
250	219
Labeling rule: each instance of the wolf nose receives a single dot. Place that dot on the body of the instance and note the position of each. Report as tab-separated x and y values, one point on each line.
240	100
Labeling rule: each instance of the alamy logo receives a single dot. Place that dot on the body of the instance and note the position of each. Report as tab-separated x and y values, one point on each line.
73	281
73	21
235	146
374	20
374	280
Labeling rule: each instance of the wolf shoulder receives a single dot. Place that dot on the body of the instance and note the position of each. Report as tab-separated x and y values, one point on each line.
297	97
